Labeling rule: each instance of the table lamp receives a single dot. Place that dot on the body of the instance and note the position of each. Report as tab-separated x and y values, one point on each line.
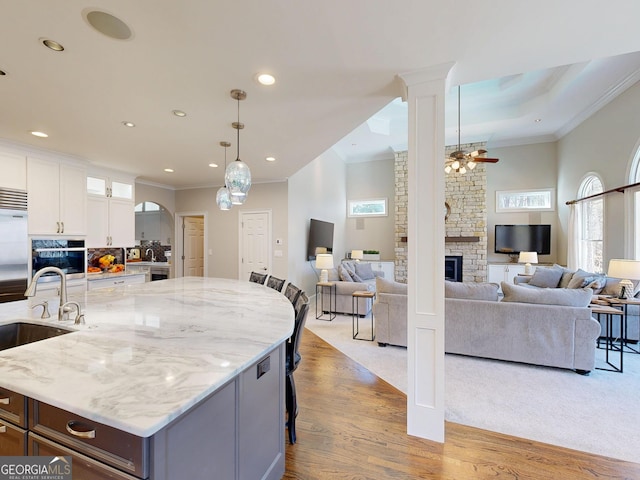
528	258
357	255
625	270
324	261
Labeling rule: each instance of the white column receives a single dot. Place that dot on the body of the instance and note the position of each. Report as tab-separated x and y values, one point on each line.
425	332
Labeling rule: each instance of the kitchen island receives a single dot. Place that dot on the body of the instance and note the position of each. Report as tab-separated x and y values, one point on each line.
189	370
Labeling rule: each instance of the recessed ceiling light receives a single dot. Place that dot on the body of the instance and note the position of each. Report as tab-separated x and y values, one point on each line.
129	124
538	120
52	44
270	159
168	170
213	165
179	113
39	134
266	79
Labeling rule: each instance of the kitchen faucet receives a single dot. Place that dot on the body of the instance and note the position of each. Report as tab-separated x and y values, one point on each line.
153	255
65	306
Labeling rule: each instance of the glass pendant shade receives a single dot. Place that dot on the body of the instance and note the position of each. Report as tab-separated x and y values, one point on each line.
223	199
238	199
237	178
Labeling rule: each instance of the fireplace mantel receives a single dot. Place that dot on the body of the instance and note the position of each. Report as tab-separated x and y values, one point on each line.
461	239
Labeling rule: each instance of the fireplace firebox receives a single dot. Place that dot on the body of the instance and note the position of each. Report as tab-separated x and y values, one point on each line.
453	268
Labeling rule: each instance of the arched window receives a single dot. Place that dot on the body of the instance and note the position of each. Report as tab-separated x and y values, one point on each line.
591	225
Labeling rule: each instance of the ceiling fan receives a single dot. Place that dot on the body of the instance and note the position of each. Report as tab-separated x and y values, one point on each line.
459	161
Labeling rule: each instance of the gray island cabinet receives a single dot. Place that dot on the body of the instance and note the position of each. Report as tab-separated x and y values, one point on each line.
208	403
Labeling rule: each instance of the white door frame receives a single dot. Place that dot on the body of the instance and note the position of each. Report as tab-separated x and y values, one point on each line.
177	257
241	238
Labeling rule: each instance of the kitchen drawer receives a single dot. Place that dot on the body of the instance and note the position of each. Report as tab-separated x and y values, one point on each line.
83	467
13	440
13	407
133	279
119	449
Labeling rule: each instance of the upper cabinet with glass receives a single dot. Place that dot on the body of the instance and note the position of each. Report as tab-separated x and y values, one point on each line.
107	187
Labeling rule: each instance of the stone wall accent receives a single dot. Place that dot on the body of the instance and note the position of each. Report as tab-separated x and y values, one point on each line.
401	200
466	194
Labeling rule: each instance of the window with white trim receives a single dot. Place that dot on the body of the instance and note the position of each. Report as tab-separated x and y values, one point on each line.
592	225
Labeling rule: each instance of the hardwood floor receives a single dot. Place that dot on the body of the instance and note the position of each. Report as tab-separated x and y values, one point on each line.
352	425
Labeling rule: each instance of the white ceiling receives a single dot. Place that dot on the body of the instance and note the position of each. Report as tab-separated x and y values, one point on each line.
335	63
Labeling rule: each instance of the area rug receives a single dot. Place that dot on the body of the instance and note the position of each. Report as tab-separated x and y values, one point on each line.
598	413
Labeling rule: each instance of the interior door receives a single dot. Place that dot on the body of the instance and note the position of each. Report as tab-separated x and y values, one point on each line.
193	229
255	235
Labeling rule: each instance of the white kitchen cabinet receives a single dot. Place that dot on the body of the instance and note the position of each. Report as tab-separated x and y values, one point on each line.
504	272
14	171
57	198
110	213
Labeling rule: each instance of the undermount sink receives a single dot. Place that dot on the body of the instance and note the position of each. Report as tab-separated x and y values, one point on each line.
21	333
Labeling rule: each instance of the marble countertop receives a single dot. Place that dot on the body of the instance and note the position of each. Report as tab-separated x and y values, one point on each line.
148	352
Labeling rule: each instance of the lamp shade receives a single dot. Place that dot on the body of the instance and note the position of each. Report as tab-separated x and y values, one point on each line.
222	199
357	254
324	261
624	269
528	257
238	178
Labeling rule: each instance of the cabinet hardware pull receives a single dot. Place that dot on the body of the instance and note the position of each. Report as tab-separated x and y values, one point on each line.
58	229
3	429
85	433
62	223
5	401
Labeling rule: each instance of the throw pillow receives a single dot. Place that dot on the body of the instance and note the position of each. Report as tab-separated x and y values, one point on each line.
334	276
580	279
344	274
470	290
389	286
612	287
546	277
577	297
364	271
356	277
566	276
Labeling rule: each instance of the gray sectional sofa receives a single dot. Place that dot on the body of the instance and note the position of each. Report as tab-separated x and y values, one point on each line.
517	330
349	277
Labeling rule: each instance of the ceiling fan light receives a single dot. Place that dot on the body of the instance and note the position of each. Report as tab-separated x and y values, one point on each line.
462	170
455	165
447	169
471	164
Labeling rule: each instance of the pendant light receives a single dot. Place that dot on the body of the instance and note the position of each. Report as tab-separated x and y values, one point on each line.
223	198
237	175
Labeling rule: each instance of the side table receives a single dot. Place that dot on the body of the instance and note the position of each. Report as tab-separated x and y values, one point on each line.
624	303
610	345
320	288
355	313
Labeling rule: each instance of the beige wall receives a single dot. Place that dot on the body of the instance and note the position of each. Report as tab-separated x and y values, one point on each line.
605	144
315	191
364	181
162	196
222	249
520	168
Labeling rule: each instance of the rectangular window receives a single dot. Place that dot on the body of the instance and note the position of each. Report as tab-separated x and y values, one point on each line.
376	207
540	200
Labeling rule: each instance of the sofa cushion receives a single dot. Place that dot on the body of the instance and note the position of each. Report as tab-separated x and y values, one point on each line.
344	274
570	297
546	277
567	273
334	276
364	271
389	286
471	290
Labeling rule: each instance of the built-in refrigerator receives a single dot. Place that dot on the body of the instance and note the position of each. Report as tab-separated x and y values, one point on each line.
14	245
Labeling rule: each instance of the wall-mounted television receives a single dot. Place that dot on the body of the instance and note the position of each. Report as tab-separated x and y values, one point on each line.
320	238
513	239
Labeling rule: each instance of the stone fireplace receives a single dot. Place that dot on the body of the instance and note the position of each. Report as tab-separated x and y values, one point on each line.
466	225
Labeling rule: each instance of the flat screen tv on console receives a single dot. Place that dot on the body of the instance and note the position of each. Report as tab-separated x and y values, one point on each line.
320	238
513	239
